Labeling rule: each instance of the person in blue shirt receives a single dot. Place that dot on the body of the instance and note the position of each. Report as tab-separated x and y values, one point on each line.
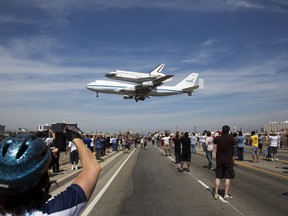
87	140
240	146
25	191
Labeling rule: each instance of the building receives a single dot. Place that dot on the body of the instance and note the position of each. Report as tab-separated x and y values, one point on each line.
276	126
43	127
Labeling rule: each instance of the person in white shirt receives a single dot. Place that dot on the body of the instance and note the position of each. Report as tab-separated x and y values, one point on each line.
193	139
273	146
74	157
202	140
166	142
209	149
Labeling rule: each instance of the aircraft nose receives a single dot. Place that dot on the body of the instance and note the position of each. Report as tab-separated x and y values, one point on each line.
89	85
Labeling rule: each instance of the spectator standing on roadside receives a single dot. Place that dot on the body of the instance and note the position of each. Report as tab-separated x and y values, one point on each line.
260	143
126	144
185	155
49	137
224	161
209	149
153	140
87	140
202	140
240	146
99	145
266	143
255	147
91	147
114	143
108	144
166	144
145	141
193	139
278	140
177	148
273	146
74	157
234	149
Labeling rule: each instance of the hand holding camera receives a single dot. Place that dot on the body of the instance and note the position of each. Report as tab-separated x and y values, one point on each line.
72	132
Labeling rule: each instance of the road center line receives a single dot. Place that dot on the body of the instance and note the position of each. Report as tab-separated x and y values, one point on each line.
261	170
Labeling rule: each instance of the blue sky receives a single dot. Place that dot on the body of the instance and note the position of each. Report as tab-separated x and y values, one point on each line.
49	50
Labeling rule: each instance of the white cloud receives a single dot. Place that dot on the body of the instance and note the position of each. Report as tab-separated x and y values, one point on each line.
43	76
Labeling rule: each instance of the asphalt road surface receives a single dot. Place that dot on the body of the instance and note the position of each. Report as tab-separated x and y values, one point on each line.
145	182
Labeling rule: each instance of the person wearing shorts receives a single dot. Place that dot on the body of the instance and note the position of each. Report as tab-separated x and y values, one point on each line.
166	141
185	155
224	161
273	147
255	147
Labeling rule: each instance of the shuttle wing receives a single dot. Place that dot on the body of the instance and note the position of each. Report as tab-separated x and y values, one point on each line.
159	81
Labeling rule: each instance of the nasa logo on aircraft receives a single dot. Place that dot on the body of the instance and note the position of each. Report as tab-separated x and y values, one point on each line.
191	79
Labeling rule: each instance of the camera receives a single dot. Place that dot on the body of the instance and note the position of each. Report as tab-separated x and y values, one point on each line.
60	139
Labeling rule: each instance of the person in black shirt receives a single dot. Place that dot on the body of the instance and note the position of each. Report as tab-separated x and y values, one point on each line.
177	148
224	160
185	152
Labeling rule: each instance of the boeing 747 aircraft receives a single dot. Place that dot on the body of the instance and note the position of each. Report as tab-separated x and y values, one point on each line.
146	89
137	77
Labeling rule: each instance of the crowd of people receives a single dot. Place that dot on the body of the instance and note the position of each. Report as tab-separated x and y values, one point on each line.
30	193
229	147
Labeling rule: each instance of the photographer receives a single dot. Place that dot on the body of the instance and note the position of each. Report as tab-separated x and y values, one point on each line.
28	195
49	138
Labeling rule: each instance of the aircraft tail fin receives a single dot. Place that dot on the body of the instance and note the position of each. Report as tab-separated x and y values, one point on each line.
158	69
188	82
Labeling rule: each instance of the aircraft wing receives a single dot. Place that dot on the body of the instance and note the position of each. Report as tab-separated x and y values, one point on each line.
145	87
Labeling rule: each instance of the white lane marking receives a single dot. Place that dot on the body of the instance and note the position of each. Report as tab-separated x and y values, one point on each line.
208	188
203	184
100	194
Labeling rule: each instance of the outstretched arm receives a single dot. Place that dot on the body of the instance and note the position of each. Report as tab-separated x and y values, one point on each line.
52	134
88	177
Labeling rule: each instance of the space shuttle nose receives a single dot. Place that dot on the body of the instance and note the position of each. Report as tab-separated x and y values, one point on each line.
110	74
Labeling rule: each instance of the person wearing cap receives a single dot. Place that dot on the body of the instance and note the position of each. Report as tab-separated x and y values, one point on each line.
24	179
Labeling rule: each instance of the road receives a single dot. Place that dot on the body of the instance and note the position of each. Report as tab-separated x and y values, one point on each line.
145	182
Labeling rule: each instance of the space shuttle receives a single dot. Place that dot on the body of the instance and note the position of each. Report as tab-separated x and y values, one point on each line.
139	77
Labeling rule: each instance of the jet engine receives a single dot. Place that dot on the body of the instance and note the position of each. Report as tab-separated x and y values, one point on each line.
127	97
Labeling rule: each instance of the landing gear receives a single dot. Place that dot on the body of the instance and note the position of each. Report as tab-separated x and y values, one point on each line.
141	98
97	94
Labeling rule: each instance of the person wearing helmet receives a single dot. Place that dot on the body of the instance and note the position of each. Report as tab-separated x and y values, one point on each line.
24	180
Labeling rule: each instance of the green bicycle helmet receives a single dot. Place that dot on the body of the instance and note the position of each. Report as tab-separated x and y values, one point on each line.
24	159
